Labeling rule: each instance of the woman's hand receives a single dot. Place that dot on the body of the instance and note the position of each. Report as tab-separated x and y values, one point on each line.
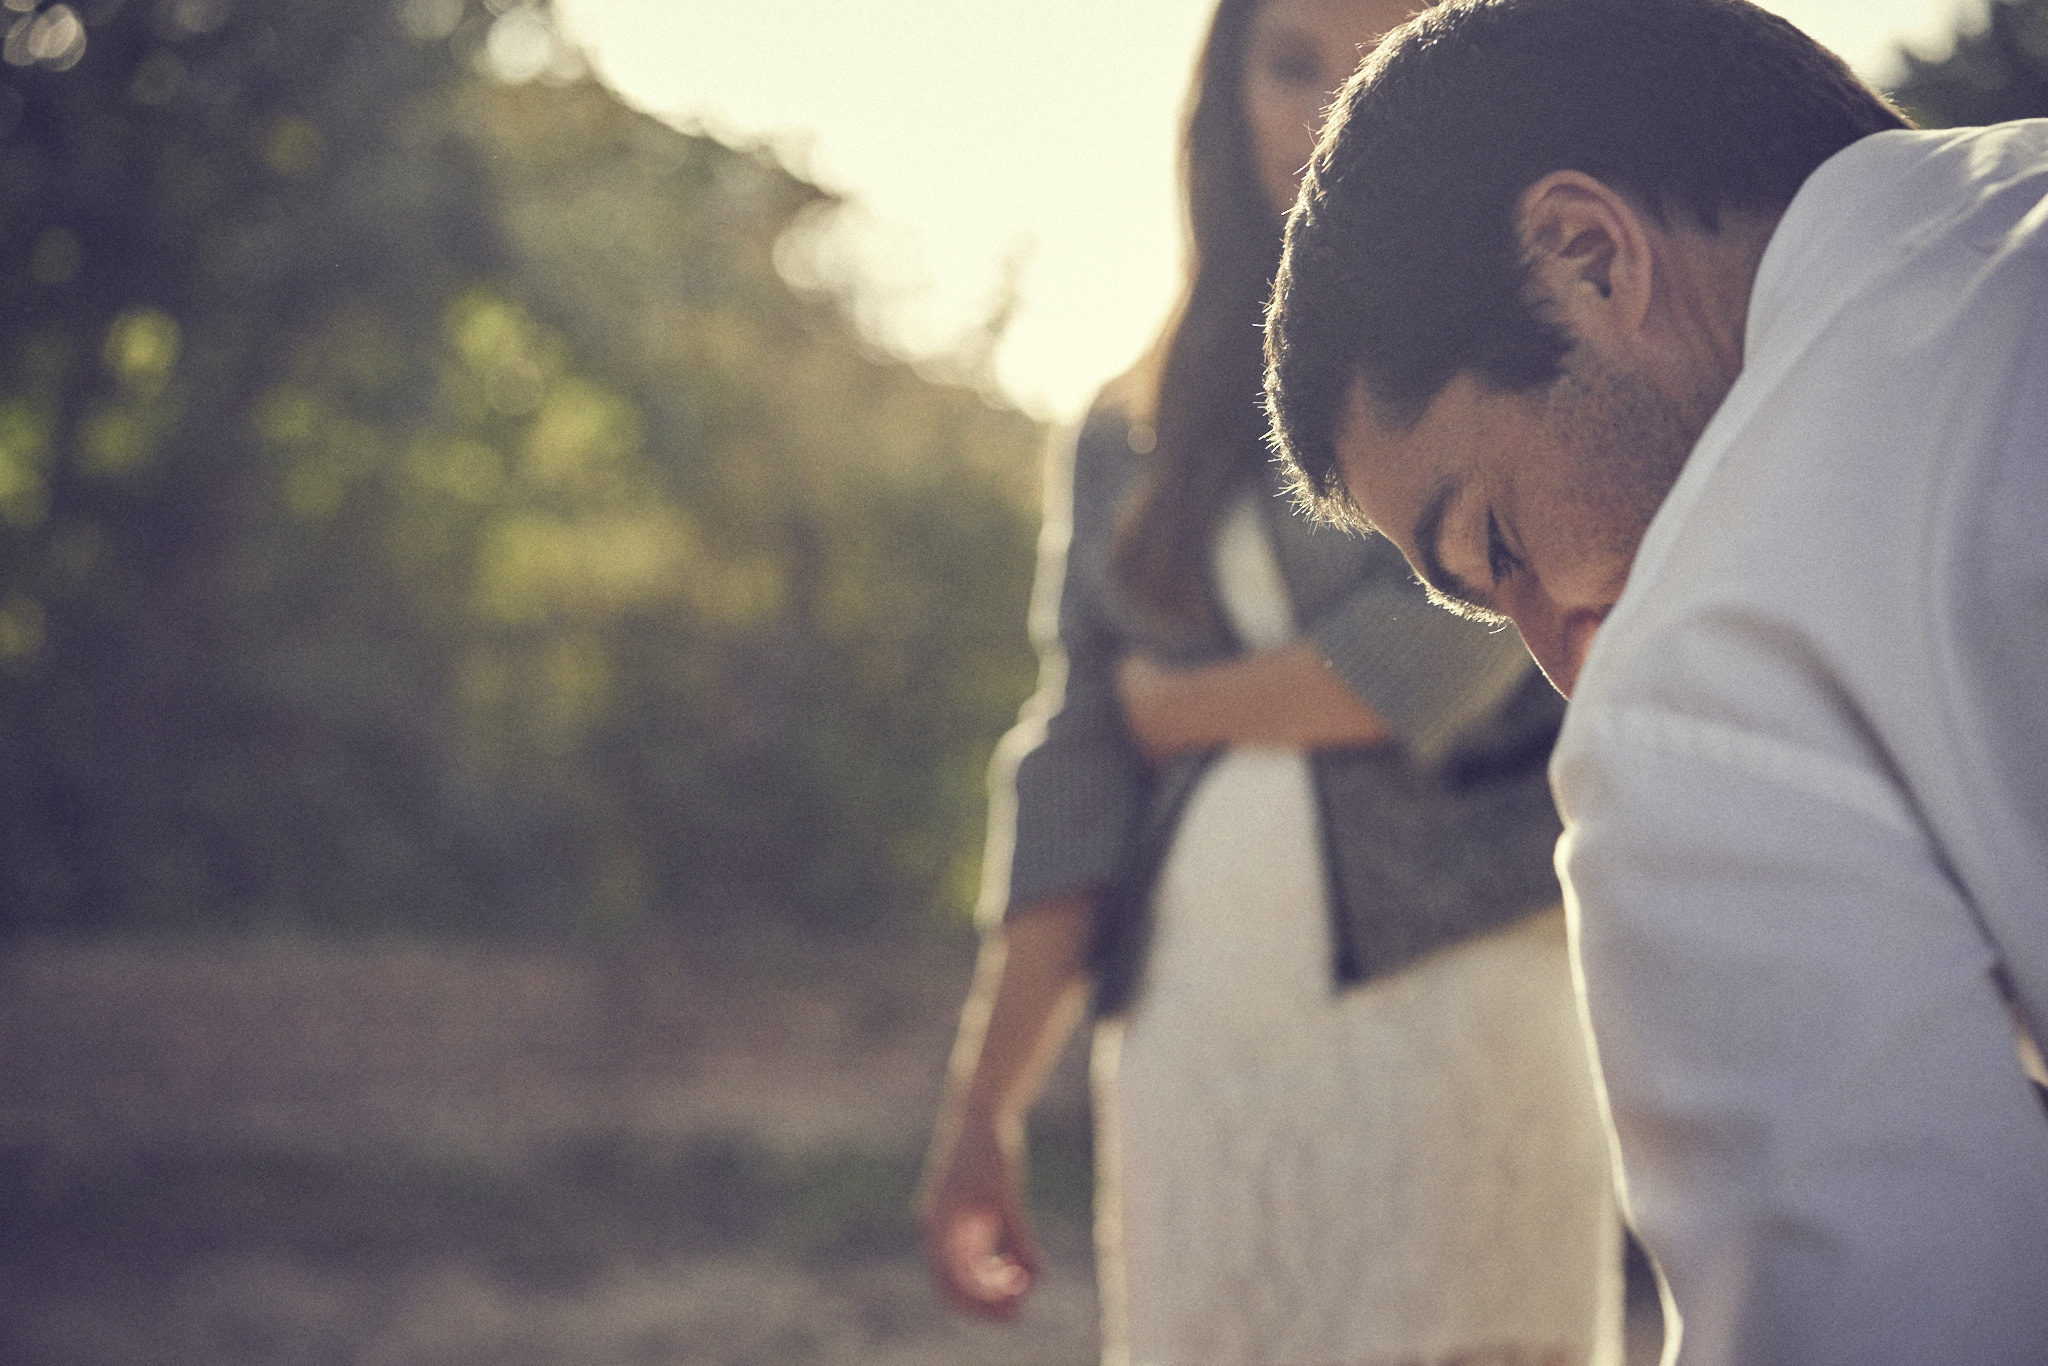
1029	990
1152	710
1286	698
976	1234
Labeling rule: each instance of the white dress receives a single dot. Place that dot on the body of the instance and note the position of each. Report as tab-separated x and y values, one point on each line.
1412	1173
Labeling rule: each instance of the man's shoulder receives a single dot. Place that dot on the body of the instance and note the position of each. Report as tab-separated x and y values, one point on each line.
1808	572
1872	382
1871	218
1904	176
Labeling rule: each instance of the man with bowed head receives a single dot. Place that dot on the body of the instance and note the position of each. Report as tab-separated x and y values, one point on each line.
1644	325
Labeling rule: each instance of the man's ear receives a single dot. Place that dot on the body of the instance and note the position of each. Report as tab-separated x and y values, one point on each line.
1589	255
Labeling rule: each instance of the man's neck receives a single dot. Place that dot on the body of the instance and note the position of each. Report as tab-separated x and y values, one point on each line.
1712	275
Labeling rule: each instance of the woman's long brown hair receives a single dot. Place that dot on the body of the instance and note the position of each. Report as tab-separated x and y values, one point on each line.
1206	422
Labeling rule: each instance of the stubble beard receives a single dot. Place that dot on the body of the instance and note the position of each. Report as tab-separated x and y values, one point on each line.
1632	439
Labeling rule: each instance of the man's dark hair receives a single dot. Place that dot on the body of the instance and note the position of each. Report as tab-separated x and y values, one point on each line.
1402	267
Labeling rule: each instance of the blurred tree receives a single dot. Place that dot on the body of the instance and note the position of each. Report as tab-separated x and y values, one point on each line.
1998	71
422	504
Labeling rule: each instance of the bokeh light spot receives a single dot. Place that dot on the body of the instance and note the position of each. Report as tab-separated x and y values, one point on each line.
142	349
21	630
24	449
295	146
116	441
468	471
428	21
54	38
524	44
196	16
158	78
578	428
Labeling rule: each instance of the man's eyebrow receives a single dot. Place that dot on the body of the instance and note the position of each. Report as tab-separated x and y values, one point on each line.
1447	588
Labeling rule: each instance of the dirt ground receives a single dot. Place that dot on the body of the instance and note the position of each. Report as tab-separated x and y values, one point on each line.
291	1154
278	1308
404	1155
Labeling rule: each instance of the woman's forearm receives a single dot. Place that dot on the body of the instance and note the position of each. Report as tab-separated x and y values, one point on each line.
1029	988
1028	991
1289	697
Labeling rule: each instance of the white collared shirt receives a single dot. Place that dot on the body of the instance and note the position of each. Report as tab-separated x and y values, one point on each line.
1805	787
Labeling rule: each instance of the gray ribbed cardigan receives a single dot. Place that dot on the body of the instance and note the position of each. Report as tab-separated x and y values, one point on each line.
1444	834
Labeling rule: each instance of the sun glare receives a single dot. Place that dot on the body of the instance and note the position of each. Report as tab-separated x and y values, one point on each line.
991	147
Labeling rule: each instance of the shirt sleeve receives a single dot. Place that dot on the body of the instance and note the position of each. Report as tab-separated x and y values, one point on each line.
1831	1151
1066	782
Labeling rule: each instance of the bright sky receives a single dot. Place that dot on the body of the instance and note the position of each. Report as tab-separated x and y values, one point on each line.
978	140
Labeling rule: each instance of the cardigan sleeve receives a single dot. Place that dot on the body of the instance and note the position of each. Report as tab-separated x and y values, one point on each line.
1067	784
1432	677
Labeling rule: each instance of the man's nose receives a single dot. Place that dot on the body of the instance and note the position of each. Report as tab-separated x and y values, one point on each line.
1561	670
1560	641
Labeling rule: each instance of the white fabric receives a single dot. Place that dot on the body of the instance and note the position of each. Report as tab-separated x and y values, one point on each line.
1411	1173
1805	787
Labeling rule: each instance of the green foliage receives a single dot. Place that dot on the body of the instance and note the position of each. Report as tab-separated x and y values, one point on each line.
1996	73
423	505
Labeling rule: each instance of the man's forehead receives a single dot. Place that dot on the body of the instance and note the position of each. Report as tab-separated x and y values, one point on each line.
1366	450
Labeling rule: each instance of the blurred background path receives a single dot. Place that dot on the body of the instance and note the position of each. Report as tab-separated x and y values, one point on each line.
288	1154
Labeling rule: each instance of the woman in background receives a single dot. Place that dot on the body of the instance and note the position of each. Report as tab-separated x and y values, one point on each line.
1291	824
